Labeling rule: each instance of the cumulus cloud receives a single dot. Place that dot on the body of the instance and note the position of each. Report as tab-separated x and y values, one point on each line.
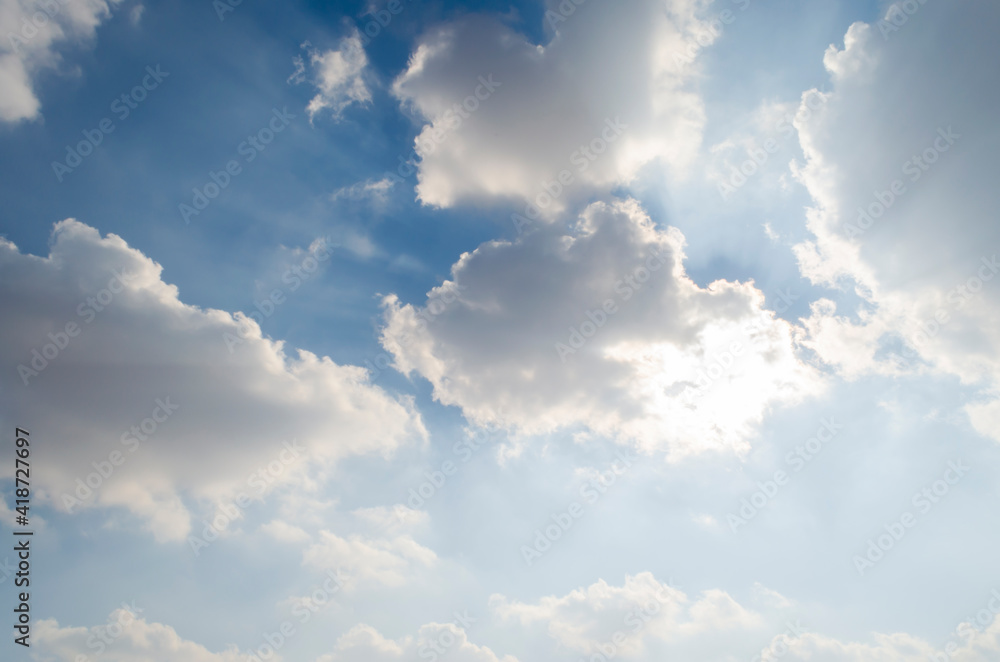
338	75
141	401
599	326
33	31
587	619
612	90
364	643
646	619
126	637
898	164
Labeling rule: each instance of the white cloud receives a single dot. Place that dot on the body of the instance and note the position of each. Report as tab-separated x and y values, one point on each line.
376	189
482	89
127	637
32	33
588	618
897	163
674	366
364	643
975	646
645	619
339	77
384	561
235	411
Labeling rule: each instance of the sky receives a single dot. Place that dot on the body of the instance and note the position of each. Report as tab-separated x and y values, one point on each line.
562	330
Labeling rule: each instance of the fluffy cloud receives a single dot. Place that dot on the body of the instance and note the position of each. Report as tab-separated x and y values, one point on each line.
339	77
126	637
32	32
645	619
898	163
621	618
385	561
503	116
600	327
364	643
140	397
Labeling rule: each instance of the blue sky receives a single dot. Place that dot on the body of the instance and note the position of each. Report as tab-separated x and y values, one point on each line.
406	385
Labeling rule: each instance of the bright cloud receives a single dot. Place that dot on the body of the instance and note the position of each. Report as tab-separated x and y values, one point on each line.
365	644
119	364
390	562
126	637
902	210
33	33
601	327
339	77
613	90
